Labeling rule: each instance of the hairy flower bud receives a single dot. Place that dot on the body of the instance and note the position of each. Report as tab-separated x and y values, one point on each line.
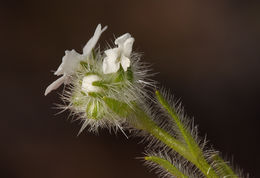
87	83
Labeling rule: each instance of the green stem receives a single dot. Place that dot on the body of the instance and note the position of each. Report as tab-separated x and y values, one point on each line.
143	122
146	123
193	147
166	165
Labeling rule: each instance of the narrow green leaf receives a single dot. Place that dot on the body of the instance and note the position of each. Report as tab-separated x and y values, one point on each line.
223	167
100	84
120	75
129	74
193	146
166	165
120	108
85	65
93	53
95	94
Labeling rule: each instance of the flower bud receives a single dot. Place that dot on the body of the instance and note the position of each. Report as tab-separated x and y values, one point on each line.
94	110
87	83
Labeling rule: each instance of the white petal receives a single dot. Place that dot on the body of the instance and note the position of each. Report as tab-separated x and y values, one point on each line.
112	54
55	84
128	44
69	63
110	65
125	62
120	40
93	40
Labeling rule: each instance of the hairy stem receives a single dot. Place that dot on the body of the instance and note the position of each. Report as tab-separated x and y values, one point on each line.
193	147
147	124
142	121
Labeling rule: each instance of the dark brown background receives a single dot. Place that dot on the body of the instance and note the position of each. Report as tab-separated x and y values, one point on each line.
207	53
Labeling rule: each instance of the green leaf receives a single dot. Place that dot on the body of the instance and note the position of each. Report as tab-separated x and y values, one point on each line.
84	64
120	75
94	109
223	167
193	146
100	84
166	165
130	74
93	53
120	108
95	94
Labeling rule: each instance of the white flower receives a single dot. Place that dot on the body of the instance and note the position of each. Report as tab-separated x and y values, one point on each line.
87	83
118	56
71	61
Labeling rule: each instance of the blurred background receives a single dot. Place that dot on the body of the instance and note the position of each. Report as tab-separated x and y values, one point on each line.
206	52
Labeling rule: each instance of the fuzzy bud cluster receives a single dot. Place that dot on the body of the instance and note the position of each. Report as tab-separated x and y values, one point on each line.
94	75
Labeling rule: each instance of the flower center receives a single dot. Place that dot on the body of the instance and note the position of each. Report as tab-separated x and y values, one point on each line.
118	59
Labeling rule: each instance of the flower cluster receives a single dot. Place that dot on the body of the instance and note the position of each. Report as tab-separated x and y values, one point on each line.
90	77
